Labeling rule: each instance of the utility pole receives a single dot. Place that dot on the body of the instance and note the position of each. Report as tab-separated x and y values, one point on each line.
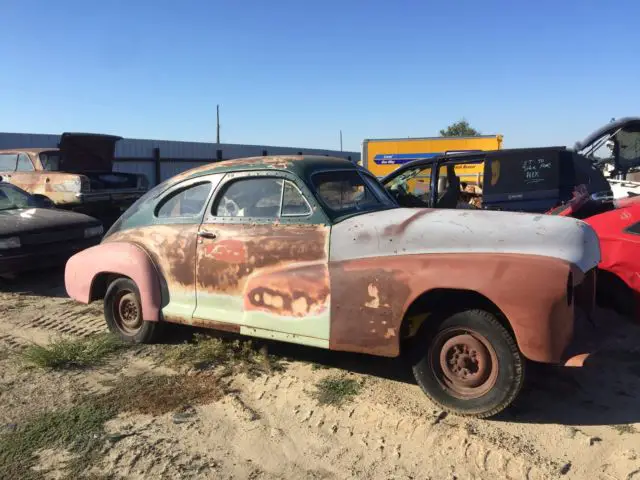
217	123
340	140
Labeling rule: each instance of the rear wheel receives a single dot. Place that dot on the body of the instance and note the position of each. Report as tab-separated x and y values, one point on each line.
123	313
469	364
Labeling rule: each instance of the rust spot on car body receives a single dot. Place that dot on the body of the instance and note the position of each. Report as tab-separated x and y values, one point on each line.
294	290
199	322
263	246
227	251
535	303
172	247
400	228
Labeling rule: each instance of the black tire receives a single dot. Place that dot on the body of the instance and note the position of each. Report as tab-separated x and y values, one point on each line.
123	313
479	384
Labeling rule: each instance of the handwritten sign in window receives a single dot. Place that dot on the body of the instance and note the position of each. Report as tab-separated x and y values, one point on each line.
534	170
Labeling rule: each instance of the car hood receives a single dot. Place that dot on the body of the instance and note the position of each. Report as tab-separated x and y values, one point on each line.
406	231
23	220
87	152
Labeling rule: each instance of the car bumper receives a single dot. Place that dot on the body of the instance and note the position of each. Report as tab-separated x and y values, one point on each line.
45	256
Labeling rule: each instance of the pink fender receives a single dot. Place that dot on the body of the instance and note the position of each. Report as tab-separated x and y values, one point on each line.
122	258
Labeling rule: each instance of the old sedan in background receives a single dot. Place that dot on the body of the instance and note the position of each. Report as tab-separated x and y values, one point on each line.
313	250
78	175
35	235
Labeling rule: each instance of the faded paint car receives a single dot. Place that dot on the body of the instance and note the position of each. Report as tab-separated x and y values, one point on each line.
313	250
78	175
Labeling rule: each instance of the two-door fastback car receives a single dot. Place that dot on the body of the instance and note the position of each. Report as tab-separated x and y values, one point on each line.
313	250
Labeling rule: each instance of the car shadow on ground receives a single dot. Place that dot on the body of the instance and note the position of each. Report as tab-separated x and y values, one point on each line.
605	391
43	283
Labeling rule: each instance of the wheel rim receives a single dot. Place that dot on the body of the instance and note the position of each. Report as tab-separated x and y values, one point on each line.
464	362
127	312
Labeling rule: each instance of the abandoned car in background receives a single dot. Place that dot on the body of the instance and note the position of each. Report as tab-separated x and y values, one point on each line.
525	179
77	175
617	224
34	235
530	180
313	250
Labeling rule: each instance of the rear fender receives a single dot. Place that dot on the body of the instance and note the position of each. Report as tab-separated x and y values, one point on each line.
119	258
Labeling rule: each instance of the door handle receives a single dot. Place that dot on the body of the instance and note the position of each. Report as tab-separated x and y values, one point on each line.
207	234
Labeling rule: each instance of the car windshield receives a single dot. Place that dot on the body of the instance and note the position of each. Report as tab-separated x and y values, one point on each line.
50	161
12	198
416	180
348	192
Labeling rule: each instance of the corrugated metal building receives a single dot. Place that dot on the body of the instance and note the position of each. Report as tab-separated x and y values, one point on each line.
162	159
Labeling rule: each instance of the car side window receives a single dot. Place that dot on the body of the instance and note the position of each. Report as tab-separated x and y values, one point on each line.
250	197
634	229
8	162
24	164
187	202
293	202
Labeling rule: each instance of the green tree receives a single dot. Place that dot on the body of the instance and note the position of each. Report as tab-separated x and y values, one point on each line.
461	128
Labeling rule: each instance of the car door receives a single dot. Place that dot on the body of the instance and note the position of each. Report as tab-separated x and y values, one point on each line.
170	240
262	260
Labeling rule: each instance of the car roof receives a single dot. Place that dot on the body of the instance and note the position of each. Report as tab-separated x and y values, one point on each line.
301	165
32	151
469	157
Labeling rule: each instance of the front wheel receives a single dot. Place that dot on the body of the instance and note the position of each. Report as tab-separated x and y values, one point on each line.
123	313
469	364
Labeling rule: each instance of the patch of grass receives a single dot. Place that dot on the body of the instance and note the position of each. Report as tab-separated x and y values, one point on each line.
78	429
76	353
319	366
206	352
158	394
336	390
624	428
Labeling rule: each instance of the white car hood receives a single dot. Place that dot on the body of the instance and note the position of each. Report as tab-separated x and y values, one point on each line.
407	231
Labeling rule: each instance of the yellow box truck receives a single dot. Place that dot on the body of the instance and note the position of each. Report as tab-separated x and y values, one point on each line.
383	156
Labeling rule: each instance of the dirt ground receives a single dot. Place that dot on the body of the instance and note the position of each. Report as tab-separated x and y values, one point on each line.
567	423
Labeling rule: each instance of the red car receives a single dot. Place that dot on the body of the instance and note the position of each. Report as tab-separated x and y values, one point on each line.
618	229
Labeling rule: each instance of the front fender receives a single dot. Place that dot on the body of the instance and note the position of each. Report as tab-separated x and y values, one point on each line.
121	258
370	298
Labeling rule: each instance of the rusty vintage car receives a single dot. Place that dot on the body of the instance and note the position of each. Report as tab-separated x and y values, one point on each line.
77	175
313	250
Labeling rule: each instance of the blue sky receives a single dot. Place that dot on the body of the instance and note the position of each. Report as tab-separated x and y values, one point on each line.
296	72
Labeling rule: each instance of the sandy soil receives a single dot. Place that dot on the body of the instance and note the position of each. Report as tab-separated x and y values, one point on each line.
568	423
